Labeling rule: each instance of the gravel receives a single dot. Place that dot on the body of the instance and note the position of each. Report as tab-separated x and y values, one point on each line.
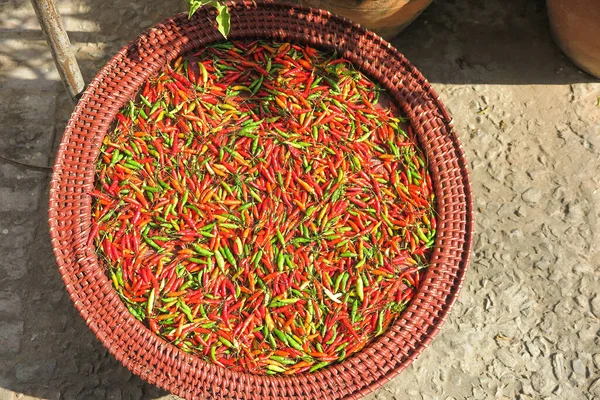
526	323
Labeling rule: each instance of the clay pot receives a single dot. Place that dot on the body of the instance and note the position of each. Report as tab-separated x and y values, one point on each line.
576	28
385	17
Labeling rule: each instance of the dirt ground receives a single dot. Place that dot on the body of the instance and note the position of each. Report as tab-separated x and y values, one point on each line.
526	325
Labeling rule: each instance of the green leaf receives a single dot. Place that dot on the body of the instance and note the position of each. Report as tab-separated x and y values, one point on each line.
194	5
223	18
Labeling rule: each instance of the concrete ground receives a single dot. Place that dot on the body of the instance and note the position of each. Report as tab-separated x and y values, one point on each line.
526	325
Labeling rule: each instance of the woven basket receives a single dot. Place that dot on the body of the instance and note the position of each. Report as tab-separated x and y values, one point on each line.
165	365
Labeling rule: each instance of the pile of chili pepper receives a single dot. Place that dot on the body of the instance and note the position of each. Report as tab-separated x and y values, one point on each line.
258	206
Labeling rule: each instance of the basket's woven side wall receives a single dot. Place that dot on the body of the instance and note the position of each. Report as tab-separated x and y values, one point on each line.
166	366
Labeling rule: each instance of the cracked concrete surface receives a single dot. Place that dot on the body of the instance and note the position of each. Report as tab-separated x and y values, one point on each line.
526	325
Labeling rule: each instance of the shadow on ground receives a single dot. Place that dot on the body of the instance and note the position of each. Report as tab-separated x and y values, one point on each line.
493	42
47	350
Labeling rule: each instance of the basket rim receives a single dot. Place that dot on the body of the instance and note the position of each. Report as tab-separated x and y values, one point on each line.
87	308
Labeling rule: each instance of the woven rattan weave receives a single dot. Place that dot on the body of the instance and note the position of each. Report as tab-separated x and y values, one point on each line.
165	365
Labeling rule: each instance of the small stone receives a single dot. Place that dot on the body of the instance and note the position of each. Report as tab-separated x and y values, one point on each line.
527	388
40	371
15	264
532	196
521	211
55	395
516	234
487	303
5	231
506	358
99	393
478	392
546	247
134	393
578	367
114	394
542	264
532	349
558	390
595	303
9	303
55	296
540	383
574	214
73	392
563	306
85	367
10	337
558	366
594	388
582	90
582	301
578	381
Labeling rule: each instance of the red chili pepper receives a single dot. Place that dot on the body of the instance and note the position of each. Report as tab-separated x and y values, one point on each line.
251	196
